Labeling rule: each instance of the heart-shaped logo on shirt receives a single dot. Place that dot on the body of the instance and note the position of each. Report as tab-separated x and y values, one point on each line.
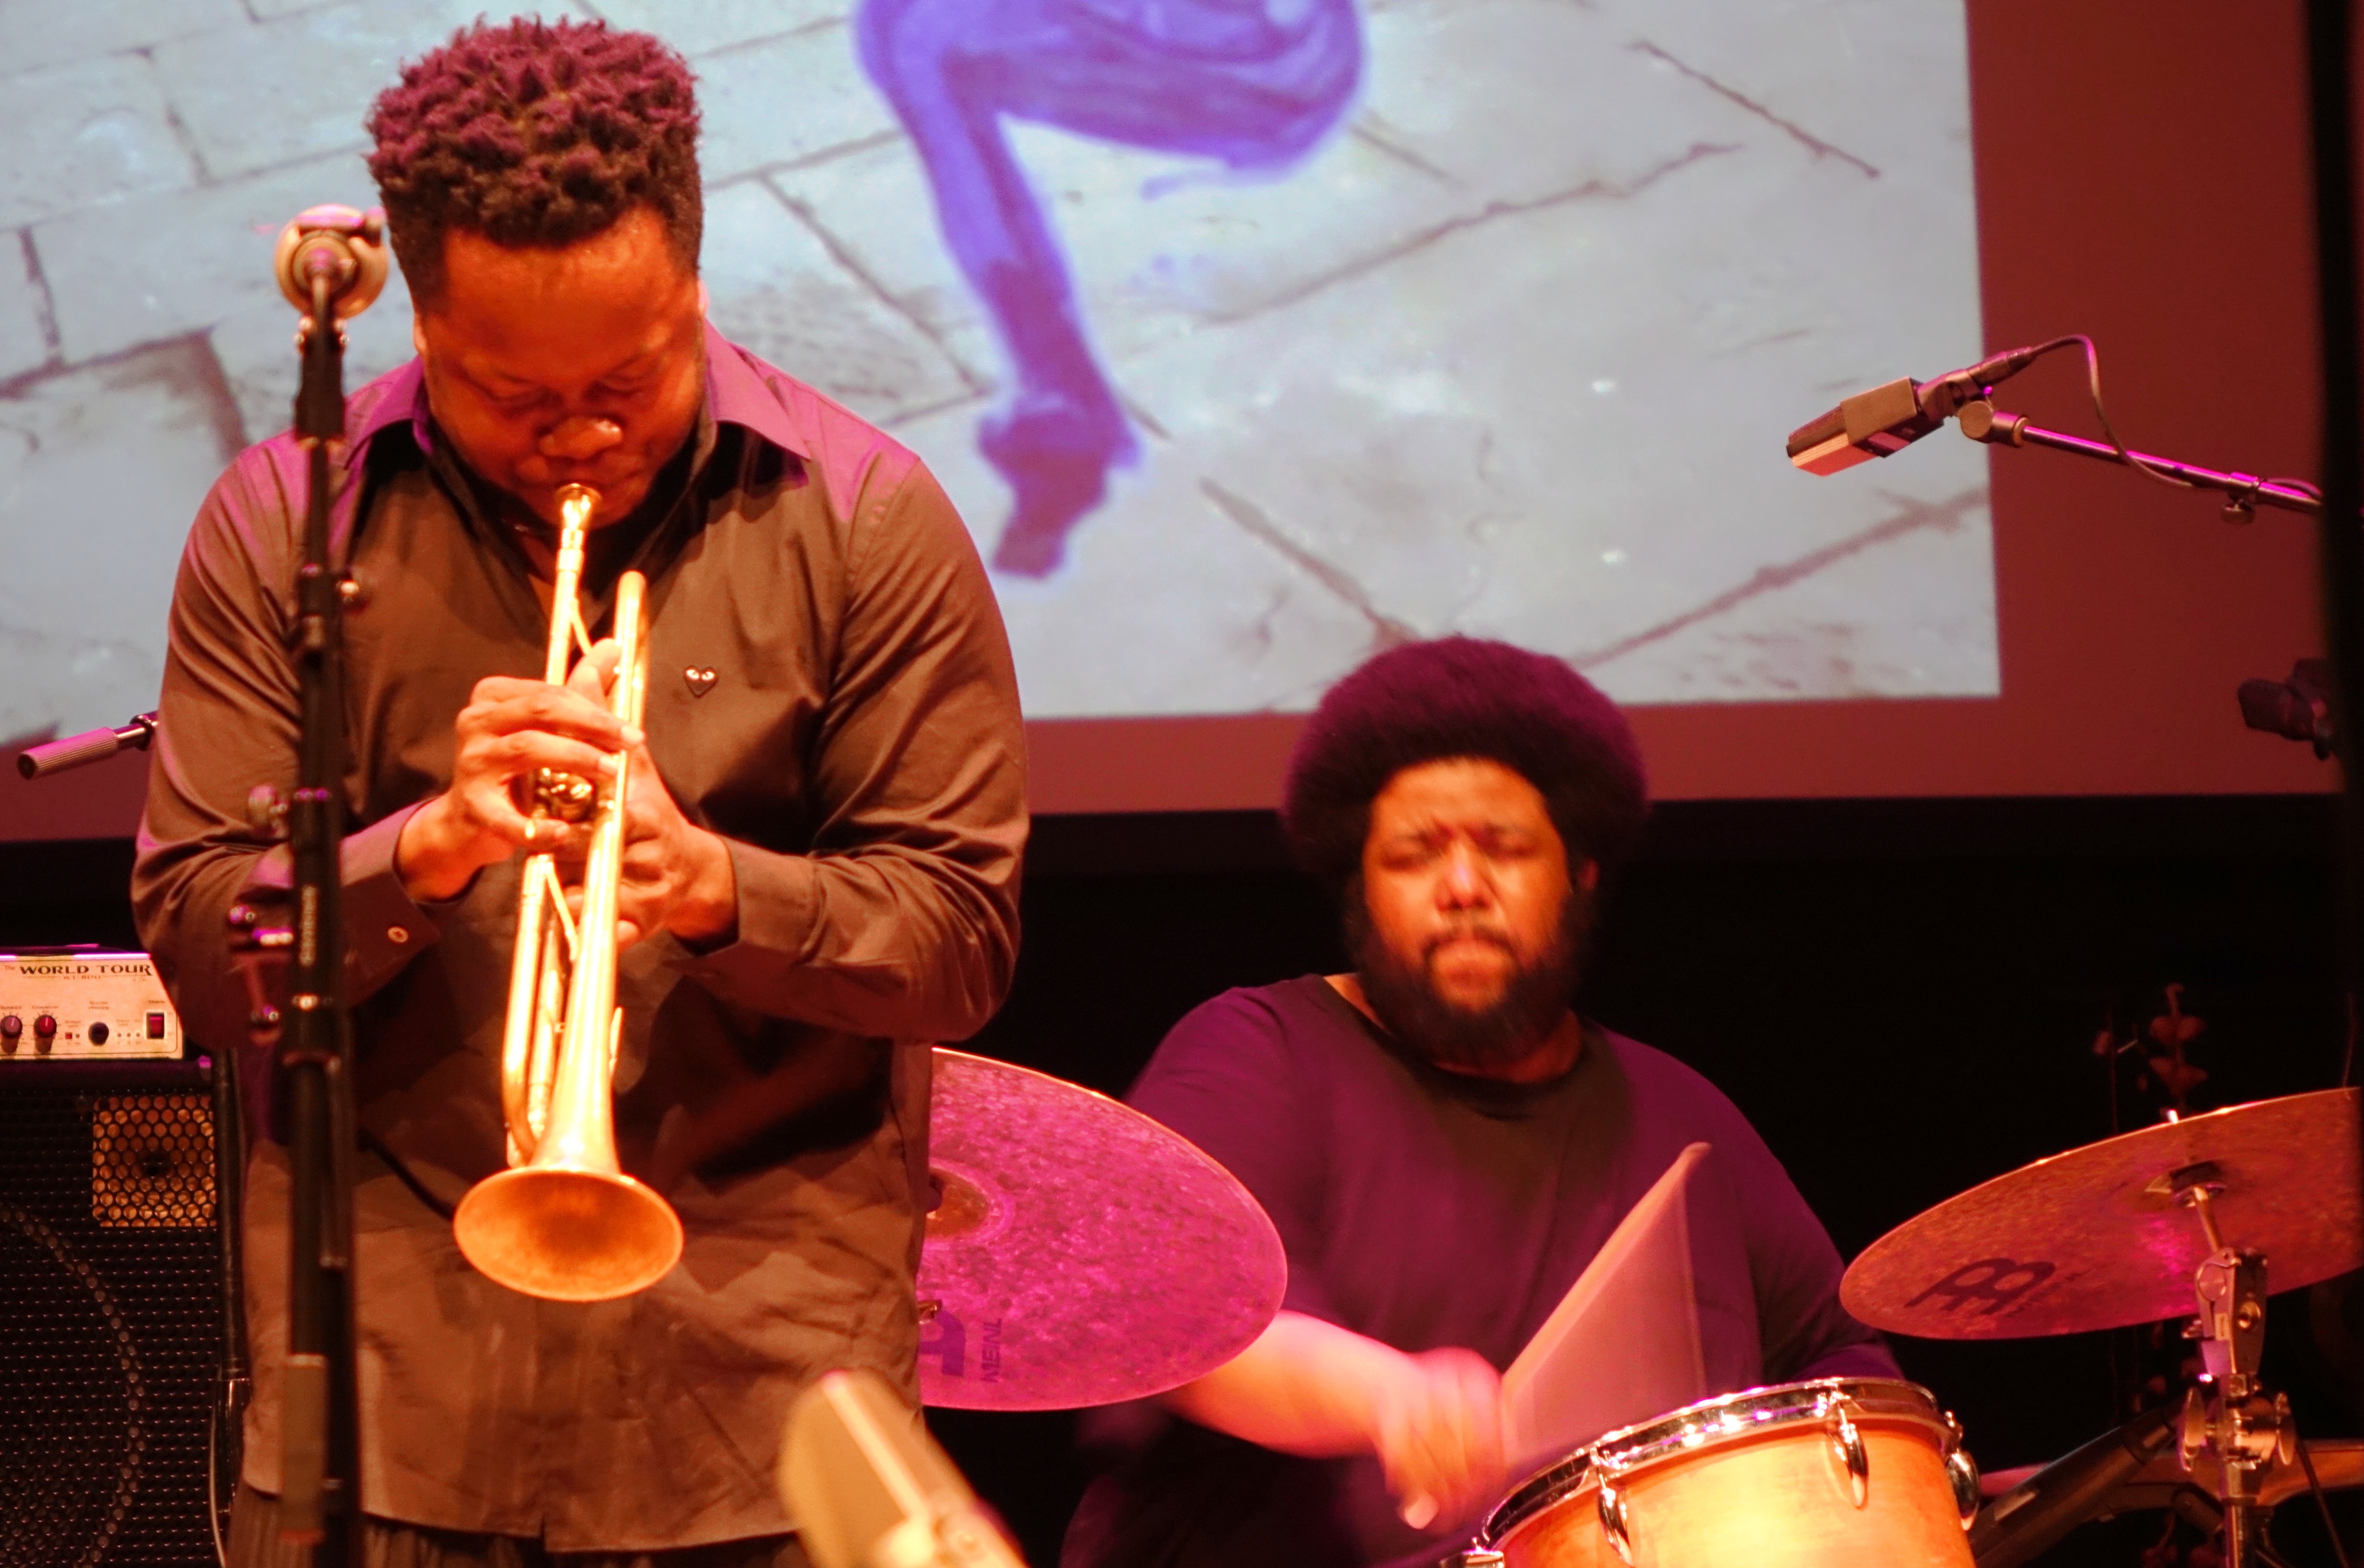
700	681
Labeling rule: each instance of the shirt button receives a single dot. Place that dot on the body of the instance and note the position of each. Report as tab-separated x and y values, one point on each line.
397	935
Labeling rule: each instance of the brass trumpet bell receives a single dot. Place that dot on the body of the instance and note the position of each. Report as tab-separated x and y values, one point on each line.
565	1223
568	1235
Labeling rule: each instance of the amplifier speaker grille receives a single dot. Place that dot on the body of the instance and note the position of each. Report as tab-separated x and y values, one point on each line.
109	1319
152	1160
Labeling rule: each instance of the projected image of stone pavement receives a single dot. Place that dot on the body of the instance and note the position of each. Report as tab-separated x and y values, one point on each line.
1403	317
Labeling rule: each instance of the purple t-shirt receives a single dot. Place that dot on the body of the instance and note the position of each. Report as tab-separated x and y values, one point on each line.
1426	1208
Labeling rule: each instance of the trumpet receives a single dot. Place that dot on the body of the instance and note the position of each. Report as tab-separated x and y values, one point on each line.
563	1222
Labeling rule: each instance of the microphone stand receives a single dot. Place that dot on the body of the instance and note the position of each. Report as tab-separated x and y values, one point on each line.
321	1421
330	264
1982	421
2233	1421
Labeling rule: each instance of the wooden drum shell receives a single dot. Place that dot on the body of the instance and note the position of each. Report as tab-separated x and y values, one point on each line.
1778	1497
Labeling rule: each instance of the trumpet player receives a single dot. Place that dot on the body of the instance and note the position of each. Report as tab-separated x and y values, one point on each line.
822	820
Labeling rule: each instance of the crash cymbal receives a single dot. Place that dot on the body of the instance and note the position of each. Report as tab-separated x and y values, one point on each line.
2095	1238
1081	1253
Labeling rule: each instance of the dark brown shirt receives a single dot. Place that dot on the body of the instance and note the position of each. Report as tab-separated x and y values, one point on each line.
859	747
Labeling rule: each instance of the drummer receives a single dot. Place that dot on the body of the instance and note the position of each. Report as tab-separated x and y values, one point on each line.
1443	1142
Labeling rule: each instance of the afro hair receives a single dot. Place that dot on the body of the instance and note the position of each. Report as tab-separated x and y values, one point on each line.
1460	696
535	133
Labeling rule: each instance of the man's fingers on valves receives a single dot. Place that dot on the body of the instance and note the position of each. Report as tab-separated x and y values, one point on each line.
502	705
594	670
525	751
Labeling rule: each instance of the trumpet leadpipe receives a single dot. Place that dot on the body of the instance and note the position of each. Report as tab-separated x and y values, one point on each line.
529	1036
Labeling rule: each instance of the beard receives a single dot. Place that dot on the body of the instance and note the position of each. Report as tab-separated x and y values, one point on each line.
1536	994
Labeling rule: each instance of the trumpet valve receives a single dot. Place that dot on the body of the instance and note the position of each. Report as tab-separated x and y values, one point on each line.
570	797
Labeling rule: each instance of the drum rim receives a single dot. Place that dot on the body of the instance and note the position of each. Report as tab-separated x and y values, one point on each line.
1735	1416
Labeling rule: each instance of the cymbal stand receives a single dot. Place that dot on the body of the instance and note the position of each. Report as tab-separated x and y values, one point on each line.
2232	1417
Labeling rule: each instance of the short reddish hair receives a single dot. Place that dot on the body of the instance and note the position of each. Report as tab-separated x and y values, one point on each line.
1460	696
536	133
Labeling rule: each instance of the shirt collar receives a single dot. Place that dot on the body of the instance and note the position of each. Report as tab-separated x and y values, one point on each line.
741	391
736	394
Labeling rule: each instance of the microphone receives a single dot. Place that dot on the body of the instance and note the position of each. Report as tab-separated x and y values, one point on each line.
868	1488
1889	418
2024	1521
341	244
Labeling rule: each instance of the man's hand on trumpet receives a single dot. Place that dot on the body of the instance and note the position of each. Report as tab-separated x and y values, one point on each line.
676	876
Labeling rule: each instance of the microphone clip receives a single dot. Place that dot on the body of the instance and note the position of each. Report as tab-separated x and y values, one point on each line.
1889	418
340	245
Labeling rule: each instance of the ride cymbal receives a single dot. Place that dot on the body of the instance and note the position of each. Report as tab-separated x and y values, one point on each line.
1081	1252
2096	1239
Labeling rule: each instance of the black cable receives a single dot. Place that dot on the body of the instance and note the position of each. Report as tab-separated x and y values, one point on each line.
2109	431
2101	415
213	1484
2348	1061
2012	363
403	1173
233	1371
2322	1503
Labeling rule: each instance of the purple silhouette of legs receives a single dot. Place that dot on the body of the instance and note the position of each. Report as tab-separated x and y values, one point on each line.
1254	83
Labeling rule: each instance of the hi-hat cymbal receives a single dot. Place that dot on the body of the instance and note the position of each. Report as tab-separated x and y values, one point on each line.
2095	1238
1082	1253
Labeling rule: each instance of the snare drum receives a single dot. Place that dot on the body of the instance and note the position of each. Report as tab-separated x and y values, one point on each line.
1831	1473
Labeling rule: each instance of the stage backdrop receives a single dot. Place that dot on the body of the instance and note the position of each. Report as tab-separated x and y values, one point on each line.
1254	341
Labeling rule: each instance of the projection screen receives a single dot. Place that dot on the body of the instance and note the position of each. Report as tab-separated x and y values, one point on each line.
1249	339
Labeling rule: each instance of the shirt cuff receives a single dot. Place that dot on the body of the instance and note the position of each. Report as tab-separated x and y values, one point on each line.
776	908
384	928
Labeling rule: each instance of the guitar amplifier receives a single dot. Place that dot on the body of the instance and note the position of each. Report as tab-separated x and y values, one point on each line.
110	1308
80	1004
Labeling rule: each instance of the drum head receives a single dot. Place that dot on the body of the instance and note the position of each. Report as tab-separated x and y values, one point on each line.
1539	1493
1729	1418
1733	1417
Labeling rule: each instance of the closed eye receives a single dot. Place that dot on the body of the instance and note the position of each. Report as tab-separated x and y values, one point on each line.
631	386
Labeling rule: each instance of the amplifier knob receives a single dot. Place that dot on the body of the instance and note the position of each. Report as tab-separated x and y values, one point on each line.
12	1027
45	1029
97	1034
